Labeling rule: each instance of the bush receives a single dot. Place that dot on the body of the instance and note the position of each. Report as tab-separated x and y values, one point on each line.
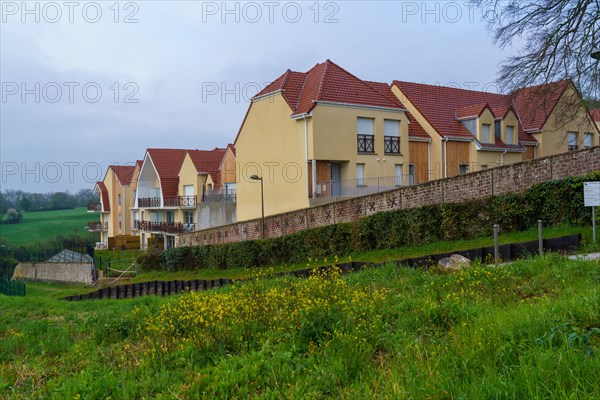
559	201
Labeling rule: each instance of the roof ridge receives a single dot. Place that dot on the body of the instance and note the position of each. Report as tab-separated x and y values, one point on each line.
302	89
322	83
449	87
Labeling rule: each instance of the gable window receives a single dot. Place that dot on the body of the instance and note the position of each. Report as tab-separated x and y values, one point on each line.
485	133
587	140
365	136
360	174
510	130
572	141
391	138
463	169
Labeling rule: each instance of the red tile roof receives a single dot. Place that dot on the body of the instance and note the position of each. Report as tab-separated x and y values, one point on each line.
104	195
535	104
595	114
139	163
168	163
326	82
209	161
470	111
443	106
124	173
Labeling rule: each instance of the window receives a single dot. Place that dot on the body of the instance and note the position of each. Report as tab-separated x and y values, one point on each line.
498	130
485	133
411	174
365	138
587	140
510	130
391	127
119	199
170	242
209	188
134	192
572	141
364	126
120	223
463	169
230	188
484	167
170	216
188	217
188	190
360	174
398	173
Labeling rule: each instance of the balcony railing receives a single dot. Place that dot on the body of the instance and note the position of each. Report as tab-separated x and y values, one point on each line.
97	226
362	186
147	202
391	144
366	143
94	207
219	198
165	227
169	201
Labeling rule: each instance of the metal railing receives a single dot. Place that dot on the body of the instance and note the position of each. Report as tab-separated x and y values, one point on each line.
366	143
94	207
169	201
12	288
95	226
362	186
218	198
146	202
166	227
391	144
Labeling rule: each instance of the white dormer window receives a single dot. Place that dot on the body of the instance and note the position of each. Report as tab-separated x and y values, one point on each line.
510	131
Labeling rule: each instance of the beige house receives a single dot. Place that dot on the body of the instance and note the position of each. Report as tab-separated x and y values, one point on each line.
320	135
115	193
174	188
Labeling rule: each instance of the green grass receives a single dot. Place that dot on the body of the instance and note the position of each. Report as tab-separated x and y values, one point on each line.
530	329
39	226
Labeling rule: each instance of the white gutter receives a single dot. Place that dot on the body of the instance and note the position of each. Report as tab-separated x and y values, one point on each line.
306	149
502	156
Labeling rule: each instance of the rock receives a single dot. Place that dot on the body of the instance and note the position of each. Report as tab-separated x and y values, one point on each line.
454	263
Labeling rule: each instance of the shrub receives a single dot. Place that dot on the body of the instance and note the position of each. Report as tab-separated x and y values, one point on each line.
559	201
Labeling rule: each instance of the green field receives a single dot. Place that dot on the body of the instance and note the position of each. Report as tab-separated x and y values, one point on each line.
39	226
527	330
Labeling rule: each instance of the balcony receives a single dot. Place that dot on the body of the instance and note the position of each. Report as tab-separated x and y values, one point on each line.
366	144
149	202
169	201
219	198
391	145
97	226
164	227
94	207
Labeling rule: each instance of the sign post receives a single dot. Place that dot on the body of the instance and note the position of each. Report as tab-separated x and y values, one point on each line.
591	198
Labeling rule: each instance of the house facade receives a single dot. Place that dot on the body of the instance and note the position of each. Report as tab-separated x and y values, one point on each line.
320	135
115	193
173	189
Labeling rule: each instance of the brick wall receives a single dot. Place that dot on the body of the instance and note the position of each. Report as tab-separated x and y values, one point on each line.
514	178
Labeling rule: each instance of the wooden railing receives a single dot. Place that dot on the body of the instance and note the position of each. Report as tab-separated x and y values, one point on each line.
166	227
169	201
366	143
94	226
391	144
94	207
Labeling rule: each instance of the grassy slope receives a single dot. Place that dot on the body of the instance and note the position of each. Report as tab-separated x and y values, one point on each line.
46	225
526	330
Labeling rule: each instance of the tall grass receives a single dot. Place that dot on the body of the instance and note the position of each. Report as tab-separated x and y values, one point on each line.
530	329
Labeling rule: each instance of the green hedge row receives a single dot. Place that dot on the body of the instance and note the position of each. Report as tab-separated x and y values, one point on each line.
559	201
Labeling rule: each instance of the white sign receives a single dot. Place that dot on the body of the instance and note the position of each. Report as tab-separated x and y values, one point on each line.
591	194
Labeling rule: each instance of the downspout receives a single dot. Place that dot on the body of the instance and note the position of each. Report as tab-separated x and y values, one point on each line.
306	150
535	150
502	156
445	157
428	161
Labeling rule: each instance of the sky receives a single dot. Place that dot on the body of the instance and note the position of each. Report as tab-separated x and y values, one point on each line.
89	84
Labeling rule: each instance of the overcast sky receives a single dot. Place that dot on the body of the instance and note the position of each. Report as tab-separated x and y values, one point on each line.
88	84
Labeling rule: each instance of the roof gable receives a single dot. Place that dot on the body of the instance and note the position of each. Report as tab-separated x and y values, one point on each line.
124	173
167	163
535	104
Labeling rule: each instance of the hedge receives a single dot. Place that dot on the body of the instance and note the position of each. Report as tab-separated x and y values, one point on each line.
554	202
